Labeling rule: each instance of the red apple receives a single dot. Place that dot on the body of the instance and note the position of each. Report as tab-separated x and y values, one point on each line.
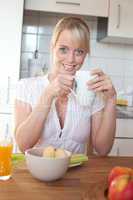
121	188
127	193
118	171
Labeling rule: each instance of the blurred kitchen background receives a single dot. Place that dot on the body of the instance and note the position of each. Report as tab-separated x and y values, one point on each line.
114	59
111	41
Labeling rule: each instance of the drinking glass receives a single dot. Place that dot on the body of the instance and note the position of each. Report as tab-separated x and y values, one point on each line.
6	146
83	95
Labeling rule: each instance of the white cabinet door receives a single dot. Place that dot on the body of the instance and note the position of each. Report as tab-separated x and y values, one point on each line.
118	27
123	144
124	128
81	7
11	17
121	18
122	147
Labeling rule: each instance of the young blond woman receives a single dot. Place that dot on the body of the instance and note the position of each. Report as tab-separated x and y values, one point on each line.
47	113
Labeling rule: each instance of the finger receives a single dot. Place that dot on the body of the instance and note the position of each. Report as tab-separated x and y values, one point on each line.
68	83
65	89
66	77
95	85
104	84
99	89
96	79
104	87
97	71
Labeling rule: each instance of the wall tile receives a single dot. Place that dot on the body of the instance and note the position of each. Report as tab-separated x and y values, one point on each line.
97	62
31	24
45	57
46	25
24	74
128	67
106	50
29	42
128	52
115	66
93	29
44	43
128	83
25	56
118	82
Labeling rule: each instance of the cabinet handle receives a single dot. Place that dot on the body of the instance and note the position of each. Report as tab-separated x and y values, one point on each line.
68	3
118	16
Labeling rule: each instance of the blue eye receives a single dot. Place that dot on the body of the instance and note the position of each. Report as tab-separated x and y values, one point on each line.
63	50
79	52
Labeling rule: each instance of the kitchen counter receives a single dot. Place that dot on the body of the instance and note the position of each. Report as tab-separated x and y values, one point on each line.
124	112
86	182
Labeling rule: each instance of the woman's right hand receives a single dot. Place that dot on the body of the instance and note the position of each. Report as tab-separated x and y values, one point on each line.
61	84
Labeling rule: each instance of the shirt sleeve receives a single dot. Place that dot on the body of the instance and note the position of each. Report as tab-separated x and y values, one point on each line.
98	104
23	91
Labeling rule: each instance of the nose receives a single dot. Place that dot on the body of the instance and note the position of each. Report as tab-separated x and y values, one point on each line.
71	57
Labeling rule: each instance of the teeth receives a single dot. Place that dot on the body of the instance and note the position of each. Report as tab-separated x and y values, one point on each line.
71	67
68	65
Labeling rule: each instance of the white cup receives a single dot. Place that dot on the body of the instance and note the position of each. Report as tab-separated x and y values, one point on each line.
83	95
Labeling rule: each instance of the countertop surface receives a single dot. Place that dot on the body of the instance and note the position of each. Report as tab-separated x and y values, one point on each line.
125	112
85	182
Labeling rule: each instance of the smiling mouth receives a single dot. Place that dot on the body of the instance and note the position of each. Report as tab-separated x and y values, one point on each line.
70	68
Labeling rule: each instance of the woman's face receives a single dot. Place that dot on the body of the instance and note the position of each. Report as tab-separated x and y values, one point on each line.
67	53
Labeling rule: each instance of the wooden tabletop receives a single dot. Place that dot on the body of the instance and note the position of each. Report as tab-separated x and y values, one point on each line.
85	182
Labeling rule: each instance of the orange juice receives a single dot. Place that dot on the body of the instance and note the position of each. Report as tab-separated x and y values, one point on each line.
5	161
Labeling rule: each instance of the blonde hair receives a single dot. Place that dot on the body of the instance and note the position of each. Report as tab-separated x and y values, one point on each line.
79	29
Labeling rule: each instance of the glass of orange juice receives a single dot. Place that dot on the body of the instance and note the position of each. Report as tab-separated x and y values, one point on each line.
6	146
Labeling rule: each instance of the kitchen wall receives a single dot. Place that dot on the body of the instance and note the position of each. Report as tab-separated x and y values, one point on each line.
115	59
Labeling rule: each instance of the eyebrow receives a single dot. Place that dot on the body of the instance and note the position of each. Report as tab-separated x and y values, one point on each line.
65	46
62	45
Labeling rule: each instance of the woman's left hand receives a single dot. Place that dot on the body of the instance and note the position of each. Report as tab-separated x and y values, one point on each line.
102	83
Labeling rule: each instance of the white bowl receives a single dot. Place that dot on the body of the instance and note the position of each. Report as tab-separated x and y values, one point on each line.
46	169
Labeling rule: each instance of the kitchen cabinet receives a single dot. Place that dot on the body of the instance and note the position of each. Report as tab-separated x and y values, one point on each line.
81	7
11	18
123	145
118	26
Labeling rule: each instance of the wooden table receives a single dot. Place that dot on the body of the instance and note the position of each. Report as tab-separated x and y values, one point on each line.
86	182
